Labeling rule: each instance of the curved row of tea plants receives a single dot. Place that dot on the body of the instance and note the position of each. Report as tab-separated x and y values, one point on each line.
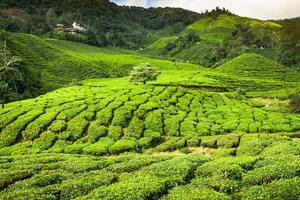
262	167
112	116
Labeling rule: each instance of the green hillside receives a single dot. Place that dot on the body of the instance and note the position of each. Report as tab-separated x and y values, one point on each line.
104	22
56	150
217	29
257	66
120	116
221	37
205	108
229	22
51	63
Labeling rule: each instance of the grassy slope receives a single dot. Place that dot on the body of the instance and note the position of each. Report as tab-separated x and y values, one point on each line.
246	141
227	21
216	30
162	42
213	32
257	66
62	62
78	116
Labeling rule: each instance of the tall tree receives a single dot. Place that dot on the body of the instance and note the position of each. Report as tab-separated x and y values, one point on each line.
9	73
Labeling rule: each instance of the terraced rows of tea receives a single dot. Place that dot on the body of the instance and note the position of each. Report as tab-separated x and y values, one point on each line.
104	118
262	167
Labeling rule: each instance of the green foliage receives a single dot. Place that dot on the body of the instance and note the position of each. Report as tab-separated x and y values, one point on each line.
185	150
10	76
282	189
295	102
45	141
228	141
144	73
135	128
241	91
154	121
123	145
115	132
99	148
95	132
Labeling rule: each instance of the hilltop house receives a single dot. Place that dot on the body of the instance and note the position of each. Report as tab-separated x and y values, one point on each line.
76	28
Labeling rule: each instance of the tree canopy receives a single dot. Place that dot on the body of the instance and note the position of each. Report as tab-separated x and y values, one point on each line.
143	73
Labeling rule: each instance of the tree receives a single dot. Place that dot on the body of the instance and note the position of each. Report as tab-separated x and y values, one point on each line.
295	102
143	73
9	74
290	46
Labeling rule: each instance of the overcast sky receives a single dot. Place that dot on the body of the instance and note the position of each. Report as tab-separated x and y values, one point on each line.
262	9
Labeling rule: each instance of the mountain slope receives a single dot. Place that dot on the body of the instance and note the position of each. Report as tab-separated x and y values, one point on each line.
48	64
105	22
217	29
257	66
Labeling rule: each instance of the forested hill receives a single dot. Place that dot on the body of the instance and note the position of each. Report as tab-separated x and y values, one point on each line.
105	23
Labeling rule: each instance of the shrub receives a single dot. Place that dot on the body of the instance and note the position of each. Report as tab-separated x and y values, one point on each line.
146	142
115	132
271	172
171	144
281	189
156	136
135	128
254	127
185	150
33	130
45	141
10	133
82	185
230	125
136	186
123	145
99	148
189	134
188	125
153	121
192	192
210	142
71	113
295	102
57	126
76	127
194	142
58	146
228	141
144	73
122	116
172	123
95	132
203	128
250	145
104	116
220	169
241	91
75	148
13	176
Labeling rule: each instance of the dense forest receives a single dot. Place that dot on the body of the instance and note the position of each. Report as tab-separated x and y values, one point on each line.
105	23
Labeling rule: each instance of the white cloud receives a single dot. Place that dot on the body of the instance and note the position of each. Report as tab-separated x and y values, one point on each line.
263	9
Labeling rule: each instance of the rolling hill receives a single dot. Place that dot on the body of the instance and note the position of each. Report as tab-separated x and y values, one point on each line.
221	130
258	67
222	36
48	64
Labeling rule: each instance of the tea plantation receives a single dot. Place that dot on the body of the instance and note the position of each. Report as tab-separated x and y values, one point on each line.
187	135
